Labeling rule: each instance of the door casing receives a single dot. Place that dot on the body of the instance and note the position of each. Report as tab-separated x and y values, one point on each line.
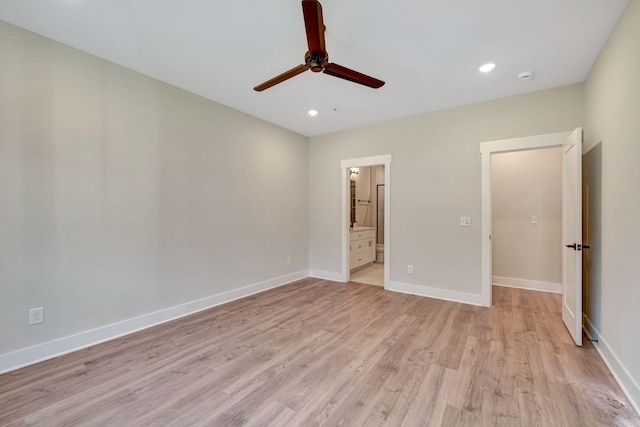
345	165
486	150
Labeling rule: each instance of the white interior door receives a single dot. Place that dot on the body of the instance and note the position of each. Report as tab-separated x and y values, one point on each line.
572	235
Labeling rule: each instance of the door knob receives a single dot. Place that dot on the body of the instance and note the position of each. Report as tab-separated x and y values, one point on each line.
573	246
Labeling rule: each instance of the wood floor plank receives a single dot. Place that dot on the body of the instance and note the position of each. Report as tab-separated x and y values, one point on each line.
320	353
500	394
472	376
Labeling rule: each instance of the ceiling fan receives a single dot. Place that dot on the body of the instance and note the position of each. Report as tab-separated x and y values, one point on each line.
317	59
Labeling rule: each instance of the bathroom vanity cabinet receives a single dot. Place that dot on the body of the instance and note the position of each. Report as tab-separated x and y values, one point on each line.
362	247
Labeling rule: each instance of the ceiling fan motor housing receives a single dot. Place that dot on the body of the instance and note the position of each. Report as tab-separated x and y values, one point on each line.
316	61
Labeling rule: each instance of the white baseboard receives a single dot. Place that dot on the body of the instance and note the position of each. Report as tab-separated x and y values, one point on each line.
533	285
438	293
627	383
48	350
327	275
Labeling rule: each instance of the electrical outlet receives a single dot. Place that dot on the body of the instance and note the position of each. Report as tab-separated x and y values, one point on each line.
288	260
465	221
410	269
36	315
534	219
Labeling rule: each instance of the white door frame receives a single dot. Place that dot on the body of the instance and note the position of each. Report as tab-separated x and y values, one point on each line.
344	223
486	150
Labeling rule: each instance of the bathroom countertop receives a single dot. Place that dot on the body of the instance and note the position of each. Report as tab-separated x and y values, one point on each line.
358	229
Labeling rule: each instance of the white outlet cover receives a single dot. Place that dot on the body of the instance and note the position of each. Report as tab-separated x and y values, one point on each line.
36	315
410	269
465	221
534	219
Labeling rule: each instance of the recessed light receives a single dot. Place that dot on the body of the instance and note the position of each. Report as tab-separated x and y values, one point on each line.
312	113
487	67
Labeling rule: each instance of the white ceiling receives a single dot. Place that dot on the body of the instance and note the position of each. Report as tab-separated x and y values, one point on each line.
427	51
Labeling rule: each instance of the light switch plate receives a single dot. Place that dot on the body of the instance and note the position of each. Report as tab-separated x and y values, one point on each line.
465	221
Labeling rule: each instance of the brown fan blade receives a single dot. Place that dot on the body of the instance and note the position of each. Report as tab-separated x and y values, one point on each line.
313	23
282	77
353	76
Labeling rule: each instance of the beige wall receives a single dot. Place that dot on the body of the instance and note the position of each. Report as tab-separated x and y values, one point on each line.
612	116
120	195
526	183
435	179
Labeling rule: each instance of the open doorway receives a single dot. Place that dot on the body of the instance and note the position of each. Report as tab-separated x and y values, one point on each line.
571	246
365	219
526	199
366	231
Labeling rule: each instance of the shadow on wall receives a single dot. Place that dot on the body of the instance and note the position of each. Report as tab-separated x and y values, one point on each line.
592	234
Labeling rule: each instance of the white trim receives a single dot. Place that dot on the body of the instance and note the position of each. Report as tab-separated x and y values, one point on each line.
486	150
533	285
524	143
621	374
366	161
48	350
486	227
385	160
437	293
344	223
327	275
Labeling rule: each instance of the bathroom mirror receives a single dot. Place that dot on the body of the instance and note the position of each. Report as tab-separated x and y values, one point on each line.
353	202
380	213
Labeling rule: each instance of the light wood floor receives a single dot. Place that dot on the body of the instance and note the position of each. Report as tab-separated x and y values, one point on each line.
323	353
371	275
